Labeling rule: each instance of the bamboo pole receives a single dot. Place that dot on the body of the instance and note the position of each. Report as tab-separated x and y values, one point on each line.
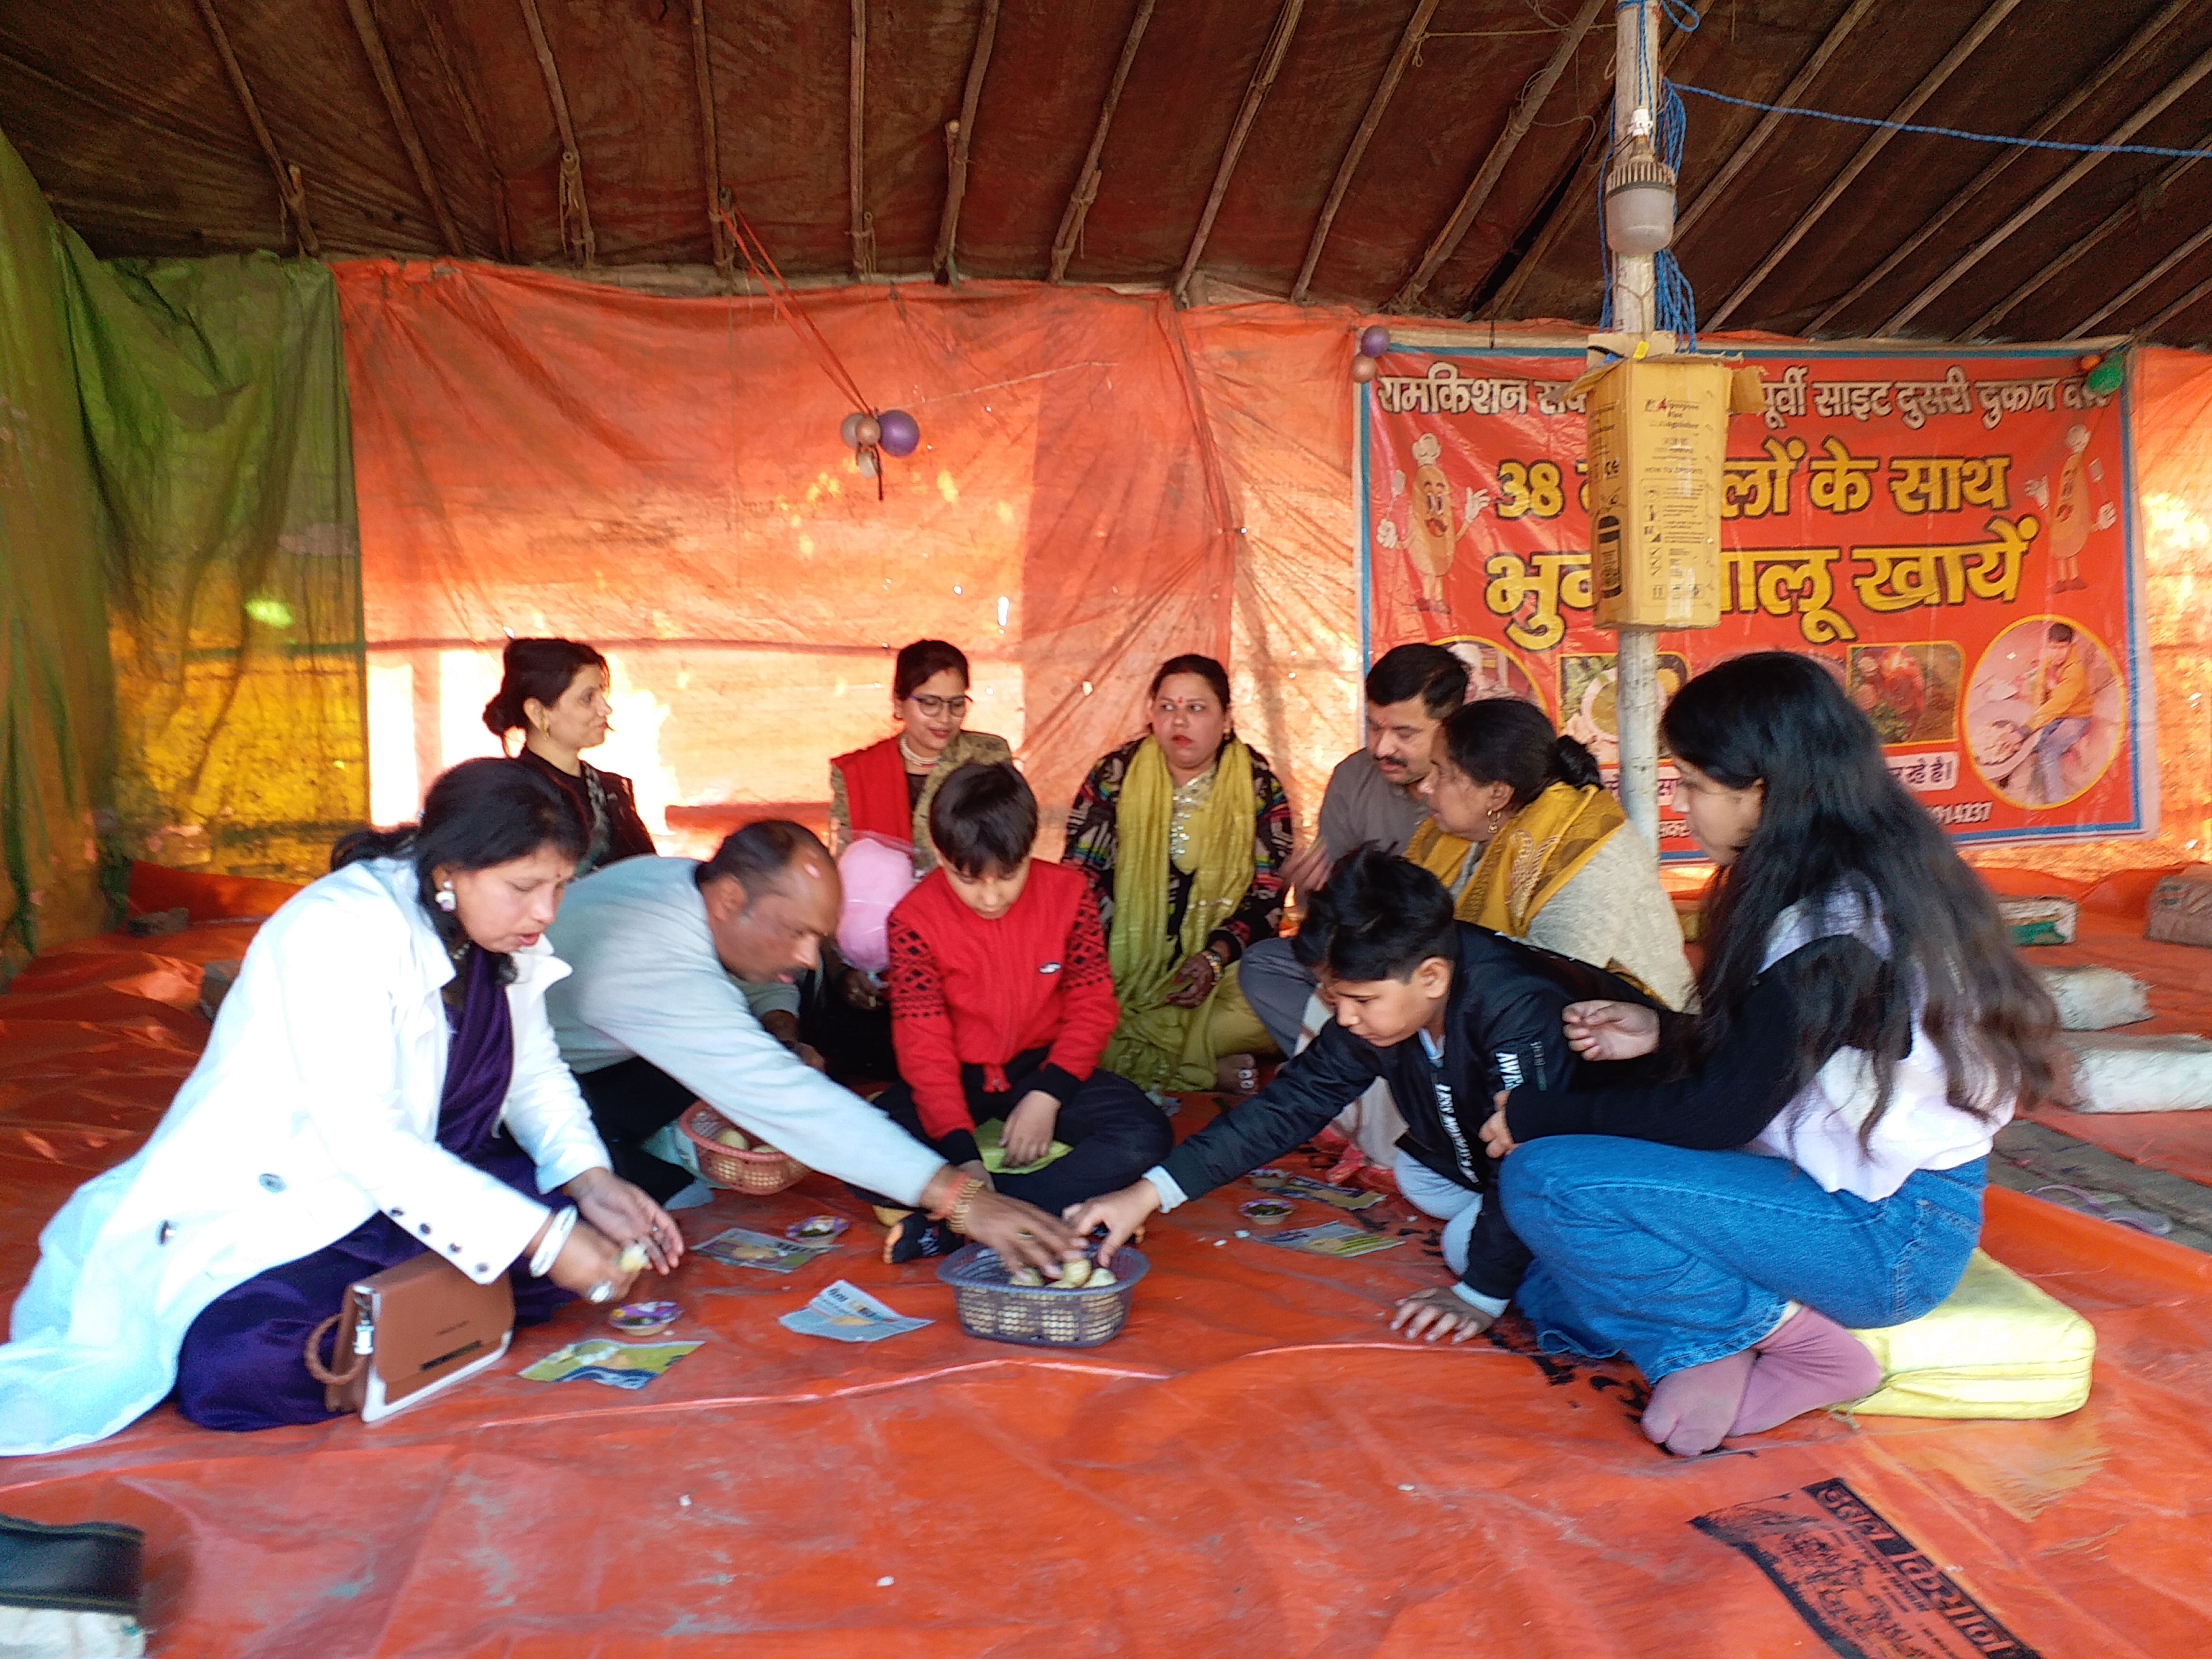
1086	181
291	191
1447	240
449	70
1408	44
864	229
572	160
1271	62
959	136
709	146
379	66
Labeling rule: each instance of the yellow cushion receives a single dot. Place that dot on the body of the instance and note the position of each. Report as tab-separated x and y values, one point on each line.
1996	1348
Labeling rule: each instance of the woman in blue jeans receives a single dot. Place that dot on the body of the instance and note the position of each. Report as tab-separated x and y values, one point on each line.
1805	1156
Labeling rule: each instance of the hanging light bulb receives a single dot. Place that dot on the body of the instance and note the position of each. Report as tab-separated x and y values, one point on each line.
1639	196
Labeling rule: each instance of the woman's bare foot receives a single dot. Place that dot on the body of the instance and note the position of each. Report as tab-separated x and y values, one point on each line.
1691	1409
1805	1362
1236	1074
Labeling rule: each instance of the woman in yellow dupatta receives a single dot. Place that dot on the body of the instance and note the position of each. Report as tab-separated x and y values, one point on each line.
1182	834
1522	830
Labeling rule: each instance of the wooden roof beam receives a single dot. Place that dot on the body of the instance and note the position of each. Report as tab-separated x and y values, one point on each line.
1989	175
2128	212
584	246
709	148
958	136
291	191
1446	241
1086	181
1742	155
379	66
863	231
2051	192
1992	16
449	70
1271	64
2185	302
2140	283
1408	44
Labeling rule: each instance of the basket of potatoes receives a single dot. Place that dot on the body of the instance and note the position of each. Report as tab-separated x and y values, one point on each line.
728	1157
1085	1305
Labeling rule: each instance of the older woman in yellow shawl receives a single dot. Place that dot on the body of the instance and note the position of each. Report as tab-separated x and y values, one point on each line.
1522	832
1182	834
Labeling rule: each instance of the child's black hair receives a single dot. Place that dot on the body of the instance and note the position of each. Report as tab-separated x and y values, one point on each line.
1378	917
983	818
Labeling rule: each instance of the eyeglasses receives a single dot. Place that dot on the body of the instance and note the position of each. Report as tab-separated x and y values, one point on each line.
936	706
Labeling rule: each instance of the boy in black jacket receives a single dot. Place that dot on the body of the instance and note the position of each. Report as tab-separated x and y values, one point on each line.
1452	1015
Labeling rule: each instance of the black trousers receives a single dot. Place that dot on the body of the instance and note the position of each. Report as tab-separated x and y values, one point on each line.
1115	1133
630	1102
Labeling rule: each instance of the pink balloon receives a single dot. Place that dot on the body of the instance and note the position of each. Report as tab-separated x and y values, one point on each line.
848	430
902	434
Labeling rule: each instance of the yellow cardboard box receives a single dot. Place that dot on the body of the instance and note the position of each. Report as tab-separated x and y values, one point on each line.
1658	434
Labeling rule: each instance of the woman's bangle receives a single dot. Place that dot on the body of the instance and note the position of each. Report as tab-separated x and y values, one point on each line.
549	1244
955	1209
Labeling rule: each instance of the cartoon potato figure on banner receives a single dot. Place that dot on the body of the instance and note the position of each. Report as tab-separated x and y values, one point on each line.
1429	519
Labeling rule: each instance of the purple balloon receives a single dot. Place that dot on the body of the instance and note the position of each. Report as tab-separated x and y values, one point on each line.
1374	341
902	436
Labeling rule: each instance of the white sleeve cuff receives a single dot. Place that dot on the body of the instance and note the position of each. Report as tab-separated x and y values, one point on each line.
1492	1305
1170	1191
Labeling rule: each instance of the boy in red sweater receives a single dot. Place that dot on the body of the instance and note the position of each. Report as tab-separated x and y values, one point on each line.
1001	1001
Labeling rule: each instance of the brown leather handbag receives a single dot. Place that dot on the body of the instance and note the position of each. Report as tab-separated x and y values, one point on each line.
409	1333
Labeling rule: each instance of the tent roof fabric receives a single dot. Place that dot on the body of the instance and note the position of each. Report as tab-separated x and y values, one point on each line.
424	127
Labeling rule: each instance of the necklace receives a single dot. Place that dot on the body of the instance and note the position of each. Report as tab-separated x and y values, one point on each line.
914	763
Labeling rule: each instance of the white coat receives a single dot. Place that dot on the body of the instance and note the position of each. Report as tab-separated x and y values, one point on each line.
315	1106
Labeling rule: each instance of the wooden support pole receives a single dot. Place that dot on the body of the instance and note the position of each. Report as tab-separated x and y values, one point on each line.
2051	192
449	70
1271	63
863	229
709	147
2128	213
1447	240
1408	44
1086	181
2140	283
584	246
1992	16
1745	153
291	192
1996	169
960	136
379	66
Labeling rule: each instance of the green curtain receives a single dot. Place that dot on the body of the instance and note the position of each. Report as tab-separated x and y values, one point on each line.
56	692
213	398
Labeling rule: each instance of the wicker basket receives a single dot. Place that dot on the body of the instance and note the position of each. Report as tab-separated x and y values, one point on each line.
998	1311
760	1169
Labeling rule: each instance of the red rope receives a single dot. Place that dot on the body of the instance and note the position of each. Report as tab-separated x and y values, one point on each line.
763	268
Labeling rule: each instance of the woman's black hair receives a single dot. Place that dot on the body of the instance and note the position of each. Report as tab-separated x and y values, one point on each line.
544	669
478	814
1430	673
1505	740
1377	916
1215	676
923	661
1833	819
983	818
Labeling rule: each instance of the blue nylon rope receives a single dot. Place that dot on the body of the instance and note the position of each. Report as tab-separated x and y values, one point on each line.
1951	132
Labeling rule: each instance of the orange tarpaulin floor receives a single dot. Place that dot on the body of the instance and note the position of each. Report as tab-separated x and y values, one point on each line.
1255	1466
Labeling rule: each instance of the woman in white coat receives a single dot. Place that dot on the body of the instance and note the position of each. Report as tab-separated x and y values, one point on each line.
382	1081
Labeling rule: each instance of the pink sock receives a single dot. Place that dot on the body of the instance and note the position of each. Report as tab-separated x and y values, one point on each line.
1691	1409
1805	1363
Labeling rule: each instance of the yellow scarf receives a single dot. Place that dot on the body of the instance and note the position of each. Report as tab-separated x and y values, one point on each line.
1534	853
1157	1046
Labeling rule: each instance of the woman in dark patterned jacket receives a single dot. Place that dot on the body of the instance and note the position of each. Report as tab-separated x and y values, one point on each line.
1182	834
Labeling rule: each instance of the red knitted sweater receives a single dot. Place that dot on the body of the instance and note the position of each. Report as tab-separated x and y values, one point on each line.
968	991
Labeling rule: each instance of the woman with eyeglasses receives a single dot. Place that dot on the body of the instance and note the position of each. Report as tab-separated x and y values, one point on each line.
882	794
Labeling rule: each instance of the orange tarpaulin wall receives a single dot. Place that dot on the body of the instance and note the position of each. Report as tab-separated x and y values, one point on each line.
1104	481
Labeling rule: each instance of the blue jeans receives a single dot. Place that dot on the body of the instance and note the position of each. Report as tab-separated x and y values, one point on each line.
2051	746
1677	1257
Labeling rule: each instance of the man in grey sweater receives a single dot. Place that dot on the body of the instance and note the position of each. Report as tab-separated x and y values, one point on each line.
655	1015
1371	801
